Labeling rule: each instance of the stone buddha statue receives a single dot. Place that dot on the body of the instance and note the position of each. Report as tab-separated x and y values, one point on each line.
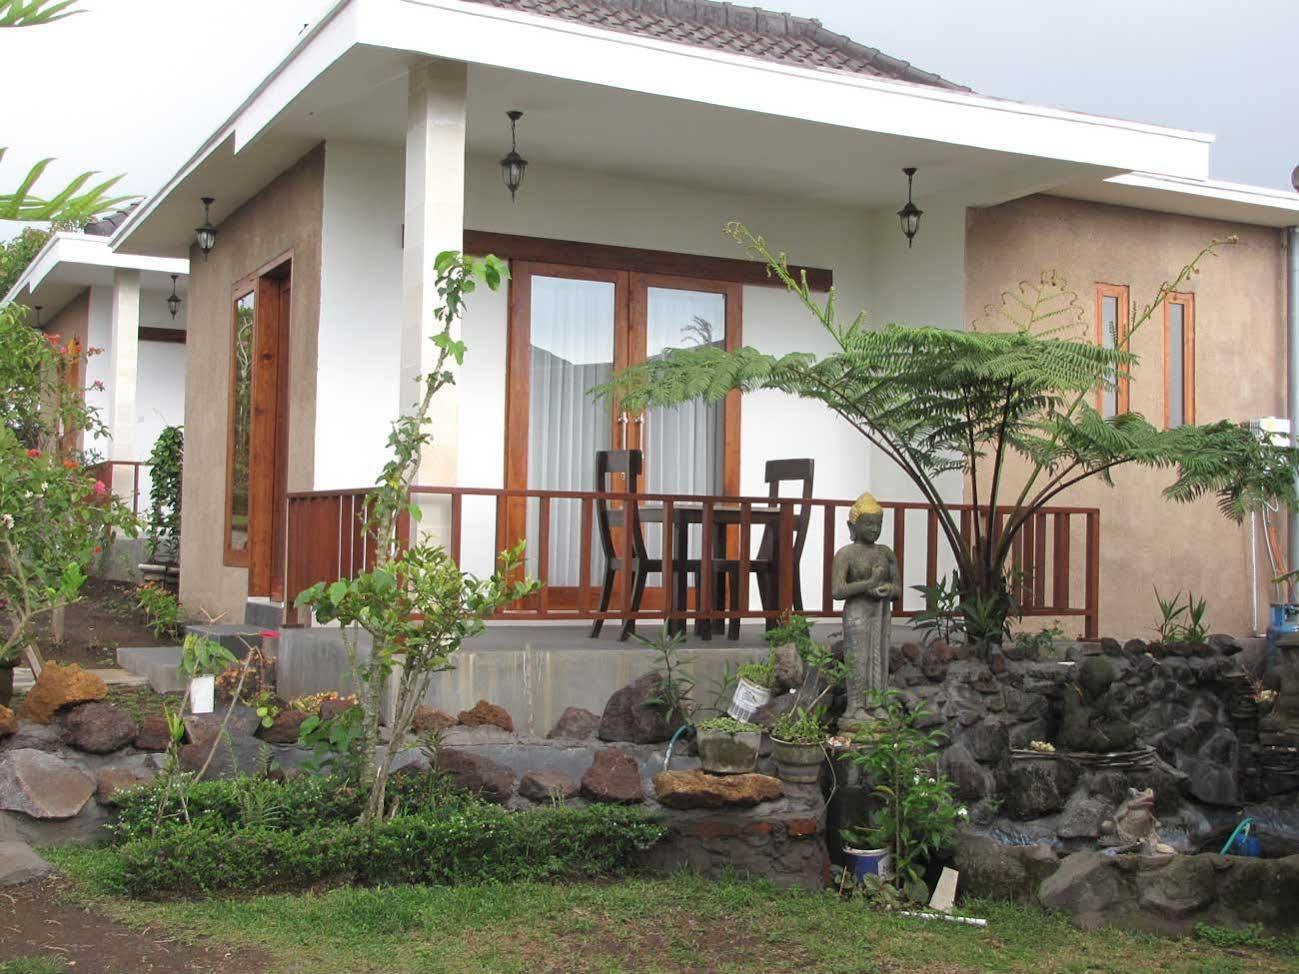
865	576
1095	719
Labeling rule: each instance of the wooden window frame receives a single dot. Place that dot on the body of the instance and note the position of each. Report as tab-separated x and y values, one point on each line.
1123	385
242	288
1187	301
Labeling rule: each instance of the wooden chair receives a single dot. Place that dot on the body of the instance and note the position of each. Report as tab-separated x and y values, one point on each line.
764	565
628	463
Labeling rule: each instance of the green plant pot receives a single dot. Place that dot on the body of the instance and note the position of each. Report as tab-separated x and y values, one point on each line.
798	763
728	752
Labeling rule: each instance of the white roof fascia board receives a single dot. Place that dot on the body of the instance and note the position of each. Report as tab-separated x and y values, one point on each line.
80	248
565	49
1213	189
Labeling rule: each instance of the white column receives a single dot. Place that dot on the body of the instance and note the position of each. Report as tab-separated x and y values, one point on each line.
434	222
123	356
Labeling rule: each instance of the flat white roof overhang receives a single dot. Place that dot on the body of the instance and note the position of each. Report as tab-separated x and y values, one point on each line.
71	262
1206	198
606	101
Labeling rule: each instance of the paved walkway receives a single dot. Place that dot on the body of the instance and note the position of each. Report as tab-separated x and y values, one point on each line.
114	677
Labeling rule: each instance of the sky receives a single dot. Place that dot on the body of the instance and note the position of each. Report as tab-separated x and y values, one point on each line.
135	86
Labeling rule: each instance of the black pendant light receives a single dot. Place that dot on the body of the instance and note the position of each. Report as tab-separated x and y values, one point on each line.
910	214
38	313
173	302
513	165
206	234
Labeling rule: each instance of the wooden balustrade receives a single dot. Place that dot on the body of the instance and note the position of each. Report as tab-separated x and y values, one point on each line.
1054	564
106	471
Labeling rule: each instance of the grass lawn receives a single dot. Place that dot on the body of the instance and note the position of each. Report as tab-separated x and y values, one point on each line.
675	924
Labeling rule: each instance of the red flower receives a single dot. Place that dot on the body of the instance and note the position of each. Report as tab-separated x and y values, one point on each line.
269	634
97	386
70	464
101	488
53	340
33	453
98	550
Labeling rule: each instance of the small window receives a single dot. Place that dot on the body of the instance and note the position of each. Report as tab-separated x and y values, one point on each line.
1179	360
241	424
1112	332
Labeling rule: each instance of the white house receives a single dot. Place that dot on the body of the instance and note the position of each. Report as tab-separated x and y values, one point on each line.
647	125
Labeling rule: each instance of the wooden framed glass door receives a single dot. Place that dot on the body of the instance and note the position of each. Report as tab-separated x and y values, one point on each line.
571	328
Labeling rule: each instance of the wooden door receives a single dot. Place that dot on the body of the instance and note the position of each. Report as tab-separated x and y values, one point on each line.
571	328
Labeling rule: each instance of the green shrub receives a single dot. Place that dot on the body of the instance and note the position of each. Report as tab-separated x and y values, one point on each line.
294	805
469	844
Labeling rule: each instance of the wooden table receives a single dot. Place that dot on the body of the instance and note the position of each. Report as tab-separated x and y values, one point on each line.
724	515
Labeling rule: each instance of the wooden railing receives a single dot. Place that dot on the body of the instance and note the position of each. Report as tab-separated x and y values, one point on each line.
115	472
1055	563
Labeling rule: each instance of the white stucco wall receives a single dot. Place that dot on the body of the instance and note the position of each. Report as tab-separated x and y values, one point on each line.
360	302
99	332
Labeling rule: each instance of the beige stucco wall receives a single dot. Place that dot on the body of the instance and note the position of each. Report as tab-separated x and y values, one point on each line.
284	217
1239	374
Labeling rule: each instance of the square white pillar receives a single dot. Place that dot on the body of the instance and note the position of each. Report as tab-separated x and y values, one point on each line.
123	359
434	222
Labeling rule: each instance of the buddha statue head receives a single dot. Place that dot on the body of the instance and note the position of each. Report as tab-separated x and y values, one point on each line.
865	519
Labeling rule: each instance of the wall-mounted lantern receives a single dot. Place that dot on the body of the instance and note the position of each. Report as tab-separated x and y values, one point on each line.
206	234
38	313
513	165
910	214
173	302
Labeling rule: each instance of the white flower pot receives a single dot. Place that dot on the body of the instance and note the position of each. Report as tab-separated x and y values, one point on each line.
870	862
202	694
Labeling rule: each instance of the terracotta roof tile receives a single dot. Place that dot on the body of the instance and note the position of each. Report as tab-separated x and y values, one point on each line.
749	31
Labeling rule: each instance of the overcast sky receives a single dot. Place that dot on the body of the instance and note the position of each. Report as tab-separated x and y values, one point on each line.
134	86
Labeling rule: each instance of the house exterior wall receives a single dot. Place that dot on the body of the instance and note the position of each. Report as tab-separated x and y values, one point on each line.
72	323
361	300
1240	347
283	217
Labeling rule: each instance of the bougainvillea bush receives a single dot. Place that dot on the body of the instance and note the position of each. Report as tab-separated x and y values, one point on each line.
54	514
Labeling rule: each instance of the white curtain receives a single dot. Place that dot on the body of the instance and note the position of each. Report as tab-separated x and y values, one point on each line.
684	445
572	333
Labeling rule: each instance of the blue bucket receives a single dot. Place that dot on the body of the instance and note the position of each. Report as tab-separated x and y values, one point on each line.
1247	845
869	862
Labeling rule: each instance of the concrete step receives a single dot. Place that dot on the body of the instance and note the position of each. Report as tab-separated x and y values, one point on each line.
263	613
114	677
158	665
236	638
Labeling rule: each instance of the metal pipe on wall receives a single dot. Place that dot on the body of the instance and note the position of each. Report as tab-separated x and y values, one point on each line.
1292	372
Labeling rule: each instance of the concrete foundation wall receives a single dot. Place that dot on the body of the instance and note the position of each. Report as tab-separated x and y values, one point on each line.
1240	348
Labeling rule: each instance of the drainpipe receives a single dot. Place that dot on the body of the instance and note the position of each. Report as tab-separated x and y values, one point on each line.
1292	342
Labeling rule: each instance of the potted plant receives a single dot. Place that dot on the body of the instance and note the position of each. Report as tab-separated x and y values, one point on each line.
754	684
864	859
917	811
727	745
798	744
202	659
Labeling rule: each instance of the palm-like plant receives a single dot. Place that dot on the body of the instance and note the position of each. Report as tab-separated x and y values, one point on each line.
935	400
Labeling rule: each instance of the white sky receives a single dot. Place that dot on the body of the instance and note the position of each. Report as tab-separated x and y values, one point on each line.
134	86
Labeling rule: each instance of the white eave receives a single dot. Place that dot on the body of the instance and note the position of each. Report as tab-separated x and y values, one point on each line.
70	262
508	39
1206	198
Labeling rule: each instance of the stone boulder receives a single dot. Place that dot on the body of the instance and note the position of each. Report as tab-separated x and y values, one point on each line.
1033	790
97	728
19	864
8	723
1082	816
484	713
1085	887
205	728
790	669
152	735
971	780
698	789
575	724
547	786
284	727
335	707
613	777
476	773
61	685
121	778
992	870
628	717
430	720
42	785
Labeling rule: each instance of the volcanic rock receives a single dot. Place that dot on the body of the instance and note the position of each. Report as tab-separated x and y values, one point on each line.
698	789
613	777
61	685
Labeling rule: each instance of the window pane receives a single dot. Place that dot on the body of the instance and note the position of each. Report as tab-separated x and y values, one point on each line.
1176	365
1109	339
241	422
572	337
